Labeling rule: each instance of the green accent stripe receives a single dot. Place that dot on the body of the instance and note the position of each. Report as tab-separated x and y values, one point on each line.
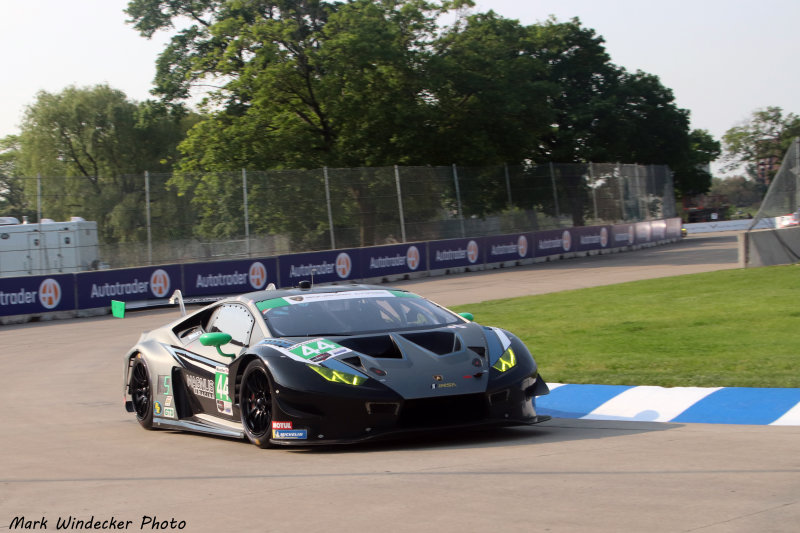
404	294
271	304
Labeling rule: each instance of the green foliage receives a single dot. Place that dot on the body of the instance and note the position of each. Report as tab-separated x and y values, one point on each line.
729	328
359	84
12	192
738	191
765	136
693	174
91	146
309	84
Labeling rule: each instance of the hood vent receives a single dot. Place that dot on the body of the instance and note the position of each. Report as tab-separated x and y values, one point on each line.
381	346
438	342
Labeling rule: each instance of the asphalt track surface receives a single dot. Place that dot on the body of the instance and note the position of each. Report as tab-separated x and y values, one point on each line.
70	450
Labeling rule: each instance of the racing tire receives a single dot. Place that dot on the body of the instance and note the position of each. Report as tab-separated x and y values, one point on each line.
141	393
255	404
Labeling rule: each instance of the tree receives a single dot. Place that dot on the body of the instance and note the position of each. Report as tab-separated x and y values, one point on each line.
13	202
91	146
764	138
602	112
738	191
302	84
693	176
364	83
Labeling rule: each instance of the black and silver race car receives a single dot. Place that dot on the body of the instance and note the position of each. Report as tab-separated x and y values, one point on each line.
328	365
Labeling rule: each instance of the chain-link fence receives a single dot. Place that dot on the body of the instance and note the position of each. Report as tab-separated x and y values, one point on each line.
167	218
783	196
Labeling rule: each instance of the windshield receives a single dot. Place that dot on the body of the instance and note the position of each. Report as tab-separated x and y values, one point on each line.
351	312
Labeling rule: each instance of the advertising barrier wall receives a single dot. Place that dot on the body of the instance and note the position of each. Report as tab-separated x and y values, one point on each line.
324	267
394	260
455	253
507	248
37	294
150	286
229	277
97	289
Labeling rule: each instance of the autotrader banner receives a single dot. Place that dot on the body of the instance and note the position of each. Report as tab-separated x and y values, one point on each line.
97	289
455	253
623	235
552	242
590	238
31	295
323	267
507	247
393	259
229	277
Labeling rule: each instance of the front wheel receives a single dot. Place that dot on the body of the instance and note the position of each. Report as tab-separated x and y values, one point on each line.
141	393
256	404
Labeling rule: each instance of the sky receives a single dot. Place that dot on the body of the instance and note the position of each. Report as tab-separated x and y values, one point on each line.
723	59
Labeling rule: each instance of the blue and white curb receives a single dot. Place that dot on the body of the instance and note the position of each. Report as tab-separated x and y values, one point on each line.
721	405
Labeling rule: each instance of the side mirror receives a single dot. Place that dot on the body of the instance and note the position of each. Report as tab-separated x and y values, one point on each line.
216	340
468	316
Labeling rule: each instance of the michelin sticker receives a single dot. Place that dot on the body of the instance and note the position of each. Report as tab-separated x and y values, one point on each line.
284	430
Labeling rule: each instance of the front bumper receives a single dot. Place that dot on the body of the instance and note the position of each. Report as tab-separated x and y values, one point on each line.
302	419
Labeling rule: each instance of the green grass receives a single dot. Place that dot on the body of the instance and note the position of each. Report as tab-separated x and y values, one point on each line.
733	328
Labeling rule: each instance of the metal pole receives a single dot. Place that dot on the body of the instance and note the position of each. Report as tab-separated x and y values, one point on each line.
400	204
555	193
458	200
328	201
246	215
39	215
638	191
796	173
621	191
508	185
147	217
594	190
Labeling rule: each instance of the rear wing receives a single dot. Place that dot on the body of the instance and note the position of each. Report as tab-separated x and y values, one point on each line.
118	307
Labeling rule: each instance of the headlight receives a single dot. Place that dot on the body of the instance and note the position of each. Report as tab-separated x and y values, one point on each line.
506	361
337	376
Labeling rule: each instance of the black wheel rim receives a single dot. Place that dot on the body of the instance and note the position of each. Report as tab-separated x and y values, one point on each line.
257	403
140	391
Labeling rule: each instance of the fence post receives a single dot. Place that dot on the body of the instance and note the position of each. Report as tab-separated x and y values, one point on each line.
621	192
594	190
458	201
508	185
246	215
328	201
400	204
147	216
797	173
555	192
39	217
638	191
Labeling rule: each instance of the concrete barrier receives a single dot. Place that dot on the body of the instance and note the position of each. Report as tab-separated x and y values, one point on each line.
769	247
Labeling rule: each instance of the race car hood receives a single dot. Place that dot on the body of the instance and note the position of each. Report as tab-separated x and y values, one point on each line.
415	364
